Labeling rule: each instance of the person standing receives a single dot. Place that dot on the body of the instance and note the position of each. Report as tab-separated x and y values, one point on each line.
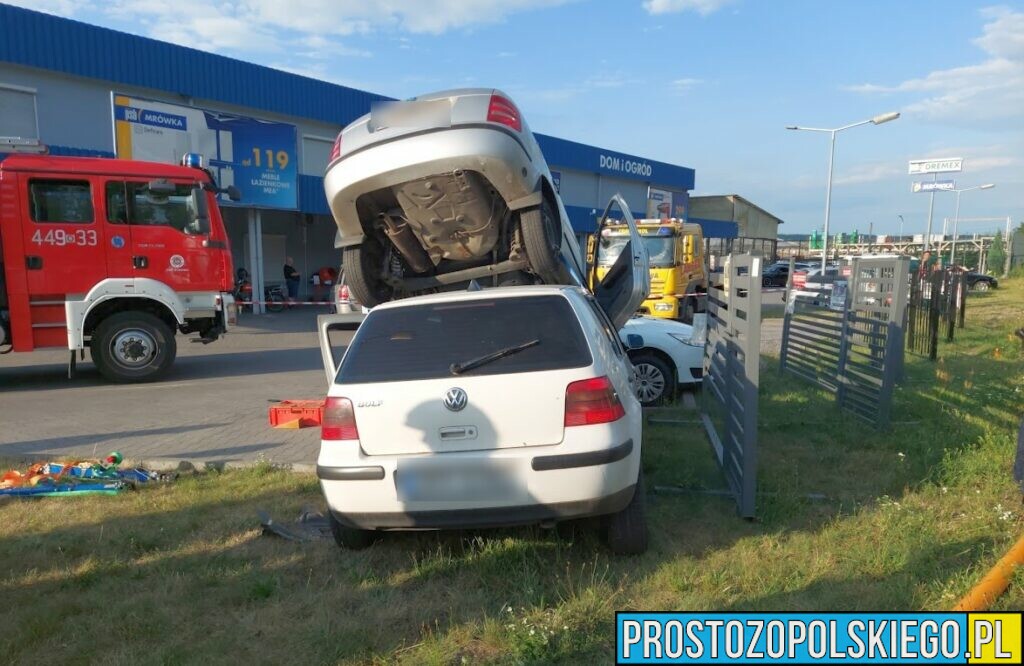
291	279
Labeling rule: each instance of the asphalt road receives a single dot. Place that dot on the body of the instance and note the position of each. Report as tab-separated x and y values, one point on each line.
211	408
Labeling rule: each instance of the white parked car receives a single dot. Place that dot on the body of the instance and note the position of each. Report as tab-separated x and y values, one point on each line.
667	359
433	192
487	407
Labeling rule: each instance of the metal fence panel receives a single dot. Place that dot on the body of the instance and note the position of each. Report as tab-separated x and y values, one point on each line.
731	364
850	344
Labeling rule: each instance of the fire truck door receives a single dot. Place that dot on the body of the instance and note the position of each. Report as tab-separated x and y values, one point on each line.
63	236
166	232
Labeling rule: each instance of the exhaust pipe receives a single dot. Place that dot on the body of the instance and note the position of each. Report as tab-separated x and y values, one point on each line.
405	240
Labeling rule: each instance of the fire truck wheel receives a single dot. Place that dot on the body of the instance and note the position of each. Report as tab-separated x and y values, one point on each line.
133	347
363	266
542	236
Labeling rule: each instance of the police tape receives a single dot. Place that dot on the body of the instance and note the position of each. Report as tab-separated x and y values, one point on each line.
826	638
282	303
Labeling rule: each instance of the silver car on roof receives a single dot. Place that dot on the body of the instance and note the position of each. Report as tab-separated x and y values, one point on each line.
445	188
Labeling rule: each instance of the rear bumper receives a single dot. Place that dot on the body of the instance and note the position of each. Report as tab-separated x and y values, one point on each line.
492	517
558	482
491	151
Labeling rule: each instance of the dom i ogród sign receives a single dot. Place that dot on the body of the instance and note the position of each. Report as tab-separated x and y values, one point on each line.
937	165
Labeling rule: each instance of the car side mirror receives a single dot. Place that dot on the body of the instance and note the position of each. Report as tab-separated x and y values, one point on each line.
634	341
233	193
201	223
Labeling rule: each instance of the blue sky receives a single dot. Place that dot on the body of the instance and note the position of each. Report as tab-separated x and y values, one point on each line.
708	84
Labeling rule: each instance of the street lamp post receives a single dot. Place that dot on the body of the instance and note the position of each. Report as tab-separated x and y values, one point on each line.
877	120
956	216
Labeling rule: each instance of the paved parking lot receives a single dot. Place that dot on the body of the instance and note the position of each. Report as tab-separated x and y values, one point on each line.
212	407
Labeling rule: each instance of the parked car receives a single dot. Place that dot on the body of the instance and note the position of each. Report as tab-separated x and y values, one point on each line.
667	359
980	282
484	408
813	284
775	275
448	187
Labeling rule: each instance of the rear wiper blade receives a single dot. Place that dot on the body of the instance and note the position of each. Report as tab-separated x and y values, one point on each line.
459	368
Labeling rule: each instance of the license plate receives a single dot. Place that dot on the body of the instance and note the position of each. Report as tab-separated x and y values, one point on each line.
463	481
425	114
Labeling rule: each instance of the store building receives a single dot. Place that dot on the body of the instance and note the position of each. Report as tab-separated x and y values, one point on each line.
86	90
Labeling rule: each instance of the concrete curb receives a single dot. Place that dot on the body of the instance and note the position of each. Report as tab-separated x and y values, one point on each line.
187	465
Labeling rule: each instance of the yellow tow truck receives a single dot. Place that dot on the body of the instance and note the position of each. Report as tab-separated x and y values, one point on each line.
678	270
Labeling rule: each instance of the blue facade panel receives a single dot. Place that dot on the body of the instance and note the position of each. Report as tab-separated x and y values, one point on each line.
717	228
312	198
571	154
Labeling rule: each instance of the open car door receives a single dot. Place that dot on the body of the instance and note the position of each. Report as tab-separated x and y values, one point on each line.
619	248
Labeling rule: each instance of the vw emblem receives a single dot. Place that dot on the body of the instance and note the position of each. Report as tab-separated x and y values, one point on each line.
455	399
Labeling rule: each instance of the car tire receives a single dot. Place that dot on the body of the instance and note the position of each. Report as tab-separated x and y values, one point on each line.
766	282
981	285
542	236
627	529
363	265
350	538
133	346
654	375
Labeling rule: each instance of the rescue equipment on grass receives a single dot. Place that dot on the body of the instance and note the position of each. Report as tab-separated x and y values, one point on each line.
50	479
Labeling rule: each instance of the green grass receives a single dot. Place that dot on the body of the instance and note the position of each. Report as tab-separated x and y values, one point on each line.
912	518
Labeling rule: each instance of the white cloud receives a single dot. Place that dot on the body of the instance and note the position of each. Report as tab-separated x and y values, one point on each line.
702	7
64	8
976	94
345	17
681	86
870	172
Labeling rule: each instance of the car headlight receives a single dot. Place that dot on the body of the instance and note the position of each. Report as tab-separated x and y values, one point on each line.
662	307
684	339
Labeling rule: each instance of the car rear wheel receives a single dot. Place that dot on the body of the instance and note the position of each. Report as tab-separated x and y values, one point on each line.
655	381
981	285
132	347
363	264
350	538
627	529
542	236
766	282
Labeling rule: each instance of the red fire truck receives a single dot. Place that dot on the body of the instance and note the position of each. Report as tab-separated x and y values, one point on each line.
113	255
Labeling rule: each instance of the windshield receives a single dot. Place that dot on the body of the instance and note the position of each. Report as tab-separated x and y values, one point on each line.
660	248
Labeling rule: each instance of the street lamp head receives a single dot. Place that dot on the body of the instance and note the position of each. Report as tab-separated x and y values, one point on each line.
986	186
885	117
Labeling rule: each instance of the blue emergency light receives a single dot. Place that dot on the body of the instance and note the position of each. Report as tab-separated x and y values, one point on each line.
194	160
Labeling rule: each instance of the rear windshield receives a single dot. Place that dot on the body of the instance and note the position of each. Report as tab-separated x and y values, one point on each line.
423	341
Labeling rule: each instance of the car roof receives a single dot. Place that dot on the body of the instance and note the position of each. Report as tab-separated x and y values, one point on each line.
495	292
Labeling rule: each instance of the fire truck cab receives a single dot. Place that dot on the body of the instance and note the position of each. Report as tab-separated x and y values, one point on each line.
113	255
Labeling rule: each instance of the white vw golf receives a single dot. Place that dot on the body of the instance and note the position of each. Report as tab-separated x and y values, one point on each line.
483	408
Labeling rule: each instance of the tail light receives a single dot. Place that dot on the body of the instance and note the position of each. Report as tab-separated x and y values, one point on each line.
335	149
800	279
502	110
343	292
592	401
339	420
